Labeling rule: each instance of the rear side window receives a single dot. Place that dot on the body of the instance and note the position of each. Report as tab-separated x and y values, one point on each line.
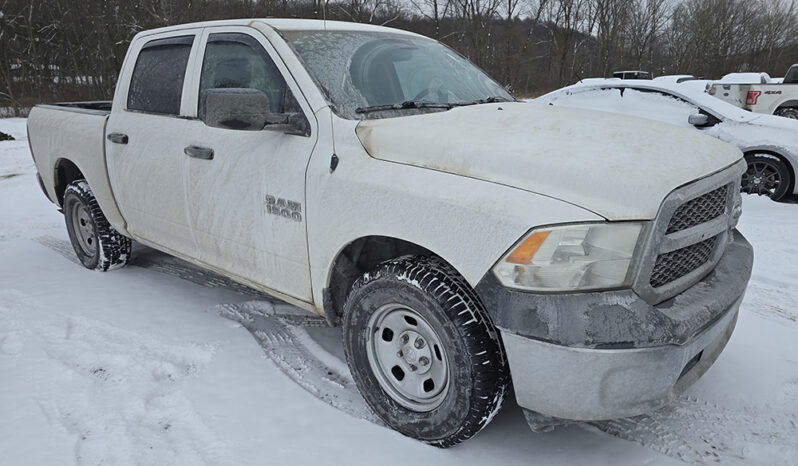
157	82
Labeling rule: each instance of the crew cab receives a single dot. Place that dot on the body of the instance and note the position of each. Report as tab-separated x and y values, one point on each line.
760	94
461	238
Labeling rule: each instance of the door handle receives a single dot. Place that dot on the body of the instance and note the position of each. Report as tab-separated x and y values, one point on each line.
205	153
117	138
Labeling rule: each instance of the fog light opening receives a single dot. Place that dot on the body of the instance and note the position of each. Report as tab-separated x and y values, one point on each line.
691	364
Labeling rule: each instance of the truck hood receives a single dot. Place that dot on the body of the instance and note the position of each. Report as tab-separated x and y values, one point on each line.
616	166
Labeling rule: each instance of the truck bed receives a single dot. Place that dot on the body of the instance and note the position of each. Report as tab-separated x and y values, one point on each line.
769	98
99	107
73	132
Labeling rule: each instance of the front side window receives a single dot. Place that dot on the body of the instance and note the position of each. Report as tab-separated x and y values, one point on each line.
238	61
157	82
359	71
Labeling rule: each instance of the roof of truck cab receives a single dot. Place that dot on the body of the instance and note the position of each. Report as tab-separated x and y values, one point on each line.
284	24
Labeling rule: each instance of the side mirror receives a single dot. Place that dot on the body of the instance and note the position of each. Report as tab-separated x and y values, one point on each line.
698	119
291	123
298	125
234	108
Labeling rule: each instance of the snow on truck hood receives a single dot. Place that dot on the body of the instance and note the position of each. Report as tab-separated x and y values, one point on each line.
616	166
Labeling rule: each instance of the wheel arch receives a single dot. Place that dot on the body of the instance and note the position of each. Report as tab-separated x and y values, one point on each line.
65	171
358	257
793	103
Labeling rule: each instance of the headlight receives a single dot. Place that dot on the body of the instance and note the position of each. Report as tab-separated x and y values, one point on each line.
571	257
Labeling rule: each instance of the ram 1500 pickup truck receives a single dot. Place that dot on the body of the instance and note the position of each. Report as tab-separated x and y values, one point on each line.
461	238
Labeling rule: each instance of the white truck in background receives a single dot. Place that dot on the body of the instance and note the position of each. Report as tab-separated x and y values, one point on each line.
762	95
461	238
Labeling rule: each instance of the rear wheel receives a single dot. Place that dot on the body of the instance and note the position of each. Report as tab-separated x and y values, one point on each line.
766	175
787	112
97	244
423	352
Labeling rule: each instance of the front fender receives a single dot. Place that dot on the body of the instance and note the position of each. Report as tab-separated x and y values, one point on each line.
467	222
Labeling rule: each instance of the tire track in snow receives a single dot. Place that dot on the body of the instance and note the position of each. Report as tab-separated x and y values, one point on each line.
765	301
279	328
281	331
119	393
700	432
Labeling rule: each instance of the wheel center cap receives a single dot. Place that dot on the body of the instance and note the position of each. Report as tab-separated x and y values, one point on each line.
410	354
416	352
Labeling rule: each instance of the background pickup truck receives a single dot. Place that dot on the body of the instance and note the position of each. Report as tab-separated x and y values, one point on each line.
772	98
461	238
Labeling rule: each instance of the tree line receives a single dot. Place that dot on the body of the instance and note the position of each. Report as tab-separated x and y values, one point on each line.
55	50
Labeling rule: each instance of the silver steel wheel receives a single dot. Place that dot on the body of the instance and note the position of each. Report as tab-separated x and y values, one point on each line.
83	227
407	358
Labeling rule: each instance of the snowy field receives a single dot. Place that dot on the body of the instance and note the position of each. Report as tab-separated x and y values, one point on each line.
163	363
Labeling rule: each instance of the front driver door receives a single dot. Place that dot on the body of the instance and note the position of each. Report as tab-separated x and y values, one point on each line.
246	203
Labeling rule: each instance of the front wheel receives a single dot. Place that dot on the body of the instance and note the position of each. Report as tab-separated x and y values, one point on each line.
97	244
766	175
423	351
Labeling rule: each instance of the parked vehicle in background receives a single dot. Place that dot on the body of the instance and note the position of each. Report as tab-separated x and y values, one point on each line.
770	144
762	95
677	78
632	75
378	178
746	78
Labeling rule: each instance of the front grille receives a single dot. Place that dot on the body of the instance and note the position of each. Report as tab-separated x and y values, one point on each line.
676	264
689	236
700	210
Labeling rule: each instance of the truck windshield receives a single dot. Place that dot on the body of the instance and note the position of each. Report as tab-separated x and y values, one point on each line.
379	75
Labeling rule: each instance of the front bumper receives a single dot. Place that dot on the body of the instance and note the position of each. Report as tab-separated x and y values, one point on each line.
597	356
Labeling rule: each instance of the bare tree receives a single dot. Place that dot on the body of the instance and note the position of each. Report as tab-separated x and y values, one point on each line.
433	10
72	50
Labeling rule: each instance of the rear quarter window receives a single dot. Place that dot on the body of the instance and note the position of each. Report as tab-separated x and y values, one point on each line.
157	82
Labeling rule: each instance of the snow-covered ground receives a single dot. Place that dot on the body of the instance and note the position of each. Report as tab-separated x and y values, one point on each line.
163	363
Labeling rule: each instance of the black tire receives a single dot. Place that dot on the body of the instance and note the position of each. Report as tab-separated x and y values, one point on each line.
106	249
787	112
766	175
478	372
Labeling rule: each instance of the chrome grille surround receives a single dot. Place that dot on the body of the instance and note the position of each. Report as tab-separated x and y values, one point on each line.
677	251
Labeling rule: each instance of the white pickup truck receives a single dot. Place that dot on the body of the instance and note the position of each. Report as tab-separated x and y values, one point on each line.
461	238
762	96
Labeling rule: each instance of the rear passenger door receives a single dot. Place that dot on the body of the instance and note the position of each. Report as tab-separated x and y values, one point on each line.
145	151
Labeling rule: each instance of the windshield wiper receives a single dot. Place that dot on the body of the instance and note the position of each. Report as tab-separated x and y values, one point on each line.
422	104
487	100
403	105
